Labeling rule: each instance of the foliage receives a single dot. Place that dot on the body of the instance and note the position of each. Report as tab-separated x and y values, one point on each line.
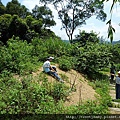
117	67
110	30
85	37
115	50
2	9
17	27
28	96
51	46
105	97
17	56
25	29
28	48
59	92
15	8
16	20
92	57
5	21
38	95
25	100
66	63
12	25
45	14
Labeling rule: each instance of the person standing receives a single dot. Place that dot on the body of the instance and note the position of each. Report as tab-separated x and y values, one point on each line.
112	71
51	70
118	86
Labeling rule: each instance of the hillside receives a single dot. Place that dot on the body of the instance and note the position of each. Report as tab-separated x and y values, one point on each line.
116	42
83	91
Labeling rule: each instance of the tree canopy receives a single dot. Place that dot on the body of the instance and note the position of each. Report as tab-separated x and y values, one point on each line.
14	7
45	14
85	37
2	9
16	20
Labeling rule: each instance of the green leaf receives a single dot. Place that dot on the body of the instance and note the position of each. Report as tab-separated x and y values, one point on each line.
110	31
113	29
109	22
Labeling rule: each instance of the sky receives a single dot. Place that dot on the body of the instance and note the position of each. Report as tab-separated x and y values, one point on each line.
92	24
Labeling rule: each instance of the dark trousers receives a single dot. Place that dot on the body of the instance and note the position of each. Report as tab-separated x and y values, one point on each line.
117	91
54	74
112	77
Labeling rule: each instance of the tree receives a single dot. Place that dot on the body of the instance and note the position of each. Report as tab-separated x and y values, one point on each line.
2	9
74	13
45	14
12	25
115	50
92	57
5	21
85	37
14	7
17	27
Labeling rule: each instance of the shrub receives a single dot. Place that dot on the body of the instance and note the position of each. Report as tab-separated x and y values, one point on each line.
117	67
92	57
59	91
17	57
66	63
26	97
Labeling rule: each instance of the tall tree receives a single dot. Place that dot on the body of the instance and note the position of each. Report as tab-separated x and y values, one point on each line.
5	21
17	27
14	7
2	8
74	13
45	14
12	25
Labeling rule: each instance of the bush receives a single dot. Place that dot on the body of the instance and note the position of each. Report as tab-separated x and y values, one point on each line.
58	91
92	57
17	57
117	67
65	63
25	97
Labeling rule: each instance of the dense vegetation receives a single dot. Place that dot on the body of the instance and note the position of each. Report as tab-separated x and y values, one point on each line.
26	43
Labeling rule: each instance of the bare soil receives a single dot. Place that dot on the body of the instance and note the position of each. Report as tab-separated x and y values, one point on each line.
83	91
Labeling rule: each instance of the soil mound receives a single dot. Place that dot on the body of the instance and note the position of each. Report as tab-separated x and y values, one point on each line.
83	91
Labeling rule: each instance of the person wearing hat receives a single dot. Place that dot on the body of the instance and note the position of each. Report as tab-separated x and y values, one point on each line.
118	86
51	70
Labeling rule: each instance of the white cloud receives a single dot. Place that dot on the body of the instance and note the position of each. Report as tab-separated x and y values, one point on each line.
30	4
116	11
